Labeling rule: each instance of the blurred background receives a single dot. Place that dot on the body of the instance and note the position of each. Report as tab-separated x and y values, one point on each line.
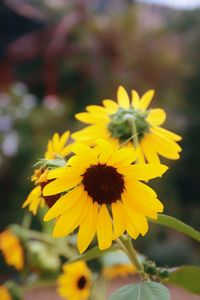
56	56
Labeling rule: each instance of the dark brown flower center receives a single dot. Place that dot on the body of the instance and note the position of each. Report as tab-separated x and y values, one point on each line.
82	281
49	200
103	183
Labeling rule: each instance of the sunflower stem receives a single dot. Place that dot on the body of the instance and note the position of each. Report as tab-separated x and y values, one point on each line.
27	219
126	245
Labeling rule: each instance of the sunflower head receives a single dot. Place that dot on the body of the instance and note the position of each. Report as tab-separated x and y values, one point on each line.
56	148
102	194
12	249
128	120
75	282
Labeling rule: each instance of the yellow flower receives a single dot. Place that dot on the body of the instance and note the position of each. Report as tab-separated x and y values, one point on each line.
4	293
118	270
119	122
75	282
56	146
100	180
11	249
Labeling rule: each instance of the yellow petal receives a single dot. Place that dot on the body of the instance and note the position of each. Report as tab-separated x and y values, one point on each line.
65	151
143	171
90	132
156	116
123	98
55	139
61	185
119	224
164	147
149	151
135	99
139	221
146	100
139	206
57	173
85	152
122	156
70	220
169	134
91	118
87	228
104	228
111	106
140	155
130	228
34	205
64	203
64	138
167	142
140	188
35	193
104	150
144	195
96	109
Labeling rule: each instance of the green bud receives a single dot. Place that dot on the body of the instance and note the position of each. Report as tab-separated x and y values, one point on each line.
163	273
150	267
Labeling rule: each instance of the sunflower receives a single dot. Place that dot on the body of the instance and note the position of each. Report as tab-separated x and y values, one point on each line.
12	249
75	282
104	194
119	270
4	293
117	264
119	122
55	147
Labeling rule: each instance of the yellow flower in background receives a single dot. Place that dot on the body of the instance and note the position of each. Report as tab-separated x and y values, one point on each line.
12	249
99	181
4	293
75	282
119	122
56	146
119	270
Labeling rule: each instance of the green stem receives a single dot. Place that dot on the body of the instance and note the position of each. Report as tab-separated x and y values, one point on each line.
135	134
132	124
27	219
126	245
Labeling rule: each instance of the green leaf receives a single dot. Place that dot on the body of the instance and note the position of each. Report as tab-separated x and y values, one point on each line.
178	225
93	253
145	290
187	277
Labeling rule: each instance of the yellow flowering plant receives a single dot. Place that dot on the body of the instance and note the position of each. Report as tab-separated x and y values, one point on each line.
94	193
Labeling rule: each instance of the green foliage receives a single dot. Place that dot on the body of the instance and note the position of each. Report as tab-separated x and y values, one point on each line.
145	290
94	253
187	277
178	225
